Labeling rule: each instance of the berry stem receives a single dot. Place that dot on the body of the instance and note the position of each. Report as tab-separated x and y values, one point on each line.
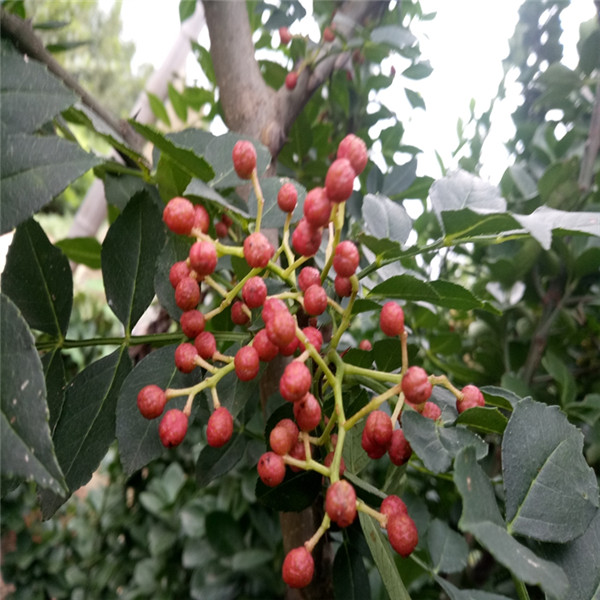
231	295
260	200
379	375
404	346
216	286
398	408
445	382
205	364
314	540
307	465
522	592
346	317
316	357
327	431
187	409
374	404
365	508
215	398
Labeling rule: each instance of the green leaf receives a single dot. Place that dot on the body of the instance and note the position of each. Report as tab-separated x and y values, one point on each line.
138	437
500	397
38	279
249	560
56	382
544	220
33	170
350	577
29	95
177	102
295	493
215	462
460	189
559	371
393	35
482	518
400	178
418	70
384	218
86	426
194	164
26	449
467	224
485	419
455	594
224	533
452	295
120	189
405	287
588	410
273	216
448	549
415	98
437	445
580	560
355	458
388	354
158	108
82	250
383	557
186	9
551	492
129	253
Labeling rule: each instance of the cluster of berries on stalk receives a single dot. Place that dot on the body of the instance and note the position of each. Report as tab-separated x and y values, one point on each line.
287	324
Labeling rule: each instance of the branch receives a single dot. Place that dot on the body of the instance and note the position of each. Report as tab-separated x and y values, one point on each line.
21	33
250	106
592	145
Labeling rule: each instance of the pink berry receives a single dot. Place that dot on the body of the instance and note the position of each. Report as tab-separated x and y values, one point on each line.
317	207
392	505
472	397
432	411
281	328
185	357
328	460
307	412
399	450
355	150
308	276
192	323
203	258
339	180
291	79
178	271
244	158
342	286
266	349
254	292
306	239
285	36
173	427
328	34
314	336
315	300
372	449
365	345
151	401
283	436
258	250
219	428
238	315
402	533
346	258
340	503
271	469
379	428
206	345
391	319
247	363
201	218
287	197
295	381
416	386
298	568
187	294
178	215
270	307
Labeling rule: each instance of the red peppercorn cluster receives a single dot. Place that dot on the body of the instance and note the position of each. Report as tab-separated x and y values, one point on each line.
288	324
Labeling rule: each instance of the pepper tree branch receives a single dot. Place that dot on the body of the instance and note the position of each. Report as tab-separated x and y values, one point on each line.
250	106
23	36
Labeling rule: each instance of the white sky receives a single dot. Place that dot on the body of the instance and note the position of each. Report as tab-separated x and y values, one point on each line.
465	44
